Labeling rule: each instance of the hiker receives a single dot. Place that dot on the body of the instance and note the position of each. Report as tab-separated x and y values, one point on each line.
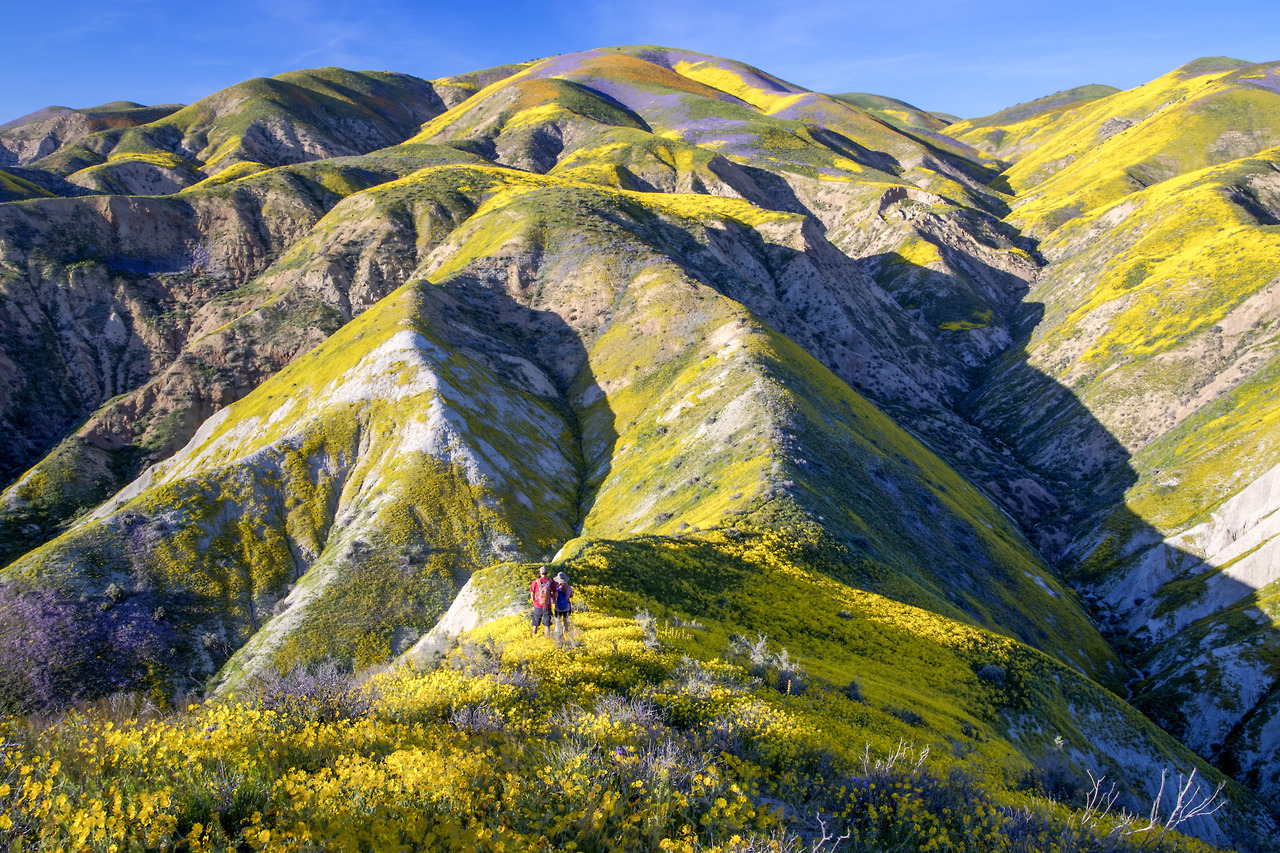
564	592
542	593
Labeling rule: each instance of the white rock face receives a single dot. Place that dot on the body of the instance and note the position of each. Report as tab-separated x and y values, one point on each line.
1241	682
1238	548
462	616
1211	656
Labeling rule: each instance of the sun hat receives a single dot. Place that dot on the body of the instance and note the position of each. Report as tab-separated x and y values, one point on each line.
560	578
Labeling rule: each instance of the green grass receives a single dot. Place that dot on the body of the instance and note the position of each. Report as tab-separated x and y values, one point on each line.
14	188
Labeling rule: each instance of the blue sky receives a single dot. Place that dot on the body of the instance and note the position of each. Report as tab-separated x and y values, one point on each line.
968	57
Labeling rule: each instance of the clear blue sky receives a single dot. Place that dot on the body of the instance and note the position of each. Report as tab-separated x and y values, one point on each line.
968	57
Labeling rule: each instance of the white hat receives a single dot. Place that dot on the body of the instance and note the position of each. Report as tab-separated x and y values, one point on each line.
560	578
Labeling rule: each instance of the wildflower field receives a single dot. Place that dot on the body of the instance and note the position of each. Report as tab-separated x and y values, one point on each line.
639	729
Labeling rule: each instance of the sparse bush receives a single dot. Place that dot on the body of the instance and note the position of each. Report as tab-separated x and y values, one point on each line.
993	673
476	718
321	692
220	795
624	709
474	658
521	677
122	708
648	628
853	690
777	670
906	715
1094	826
697	678
664	765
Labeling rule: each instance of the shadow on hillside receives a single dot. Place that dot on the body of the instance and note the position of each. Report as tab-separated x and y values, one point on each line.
500	329
1025	439
779	193
1052	434
1019	435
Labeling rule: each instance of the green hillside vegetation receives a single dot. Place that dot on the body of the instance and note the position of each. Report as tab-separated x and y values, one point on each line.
1183	121
892	110
15	188
752	375
1145	279
1157	313
32	137
83	473
293	117
456	89
1031	109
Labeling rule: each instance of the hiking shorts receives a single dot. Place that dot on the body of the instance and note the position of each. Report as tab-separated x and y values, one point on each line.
541	616
564	612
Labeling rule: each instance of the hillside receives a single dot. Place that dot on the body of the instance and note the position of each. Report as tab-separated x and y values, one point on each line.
1157	312
978	417
265	122
1013	131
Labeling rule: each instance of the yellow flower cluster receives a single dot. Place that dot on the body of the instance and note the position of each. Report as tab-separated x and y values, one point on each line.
594	742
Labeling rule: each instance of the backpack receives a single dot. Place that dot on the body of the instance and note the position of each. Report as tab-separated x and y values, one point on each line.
562	597
542	593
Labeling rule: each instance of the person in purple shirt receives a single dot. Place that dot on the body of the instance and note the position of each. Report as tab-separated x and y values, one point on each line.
564	593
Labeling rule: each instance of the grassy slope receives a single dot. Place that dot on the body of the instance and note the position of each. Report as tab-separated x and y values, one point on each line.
15	188
684	380
892	110
1134	311
1154	291
723	106
1012	132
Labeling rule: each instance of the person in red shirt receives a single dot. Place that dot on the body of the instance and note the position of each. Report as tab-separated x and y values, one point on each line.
542	594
